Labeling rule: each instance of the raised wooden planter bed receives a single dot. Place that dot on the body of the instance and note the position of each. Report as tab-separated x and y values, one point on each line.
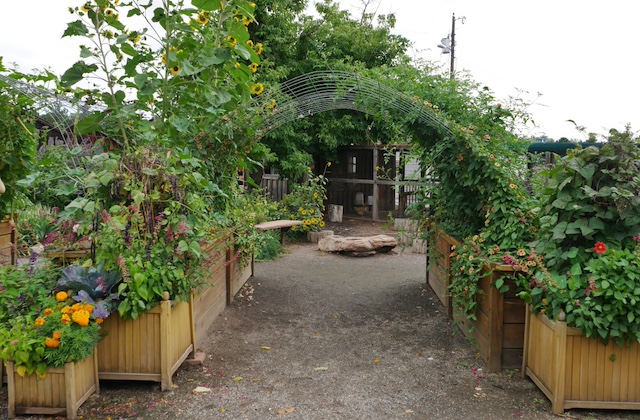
498	331
8	242
62	391
574	371
439	267
149	348
62	258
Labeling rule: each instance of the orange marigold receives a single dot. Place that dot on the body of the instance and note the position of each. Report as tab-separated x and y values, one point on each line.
99	321
39	322
89	308
52	343
66	310
57	335
81	317
48	311
66	319
61	296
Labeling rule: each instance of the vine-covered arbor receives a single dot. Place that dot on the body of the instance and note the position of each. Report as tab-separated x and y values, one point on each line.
368	177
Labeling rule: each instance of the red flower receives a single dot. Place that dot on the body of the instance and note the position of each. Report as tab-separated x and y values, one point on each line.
600	248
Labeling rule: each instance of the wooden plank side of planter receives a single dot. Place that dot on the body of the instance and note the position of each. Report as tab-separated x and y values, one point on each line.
8	242
498	331
440	267
242	272
211	300
574	371
62	391
149	348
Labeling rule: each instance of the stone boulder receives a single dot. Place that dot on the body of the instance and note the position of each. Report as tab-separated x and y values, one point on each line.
357	246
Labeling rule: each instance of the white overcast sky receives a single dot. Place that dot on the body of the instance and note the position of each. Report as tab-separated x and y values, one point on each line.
582	55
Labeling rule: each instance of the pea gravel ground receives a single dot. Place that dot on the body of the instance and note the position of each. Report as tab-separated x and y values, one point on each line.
319	336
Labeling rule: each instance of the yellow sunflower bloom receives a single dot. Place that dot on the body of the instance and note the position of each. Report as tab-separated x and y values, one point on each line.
232	41
257	89
322	223
272	104
250	43
202	18
303	212
246	21
258	48
253	67
109	12
175	70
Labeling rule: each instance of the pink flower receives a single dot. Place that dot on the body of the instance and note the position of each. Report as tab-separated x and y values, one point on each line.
600	248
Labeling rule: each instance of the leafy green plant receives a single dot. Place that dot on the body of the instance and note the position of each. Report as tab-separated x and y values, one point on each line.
35	223
588	261
23	289
305	202
18	146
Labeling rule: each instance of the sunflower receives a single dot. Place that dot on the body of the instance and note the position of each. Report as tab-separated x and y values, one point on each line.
257	89
86	7
250	43
175	70
253	67
258	48
246	21
109	12
272	104
202	18
232	41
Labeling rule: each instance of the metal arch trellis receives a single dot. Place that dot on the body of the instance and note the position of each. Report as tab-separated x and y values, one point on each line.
320	91
59	110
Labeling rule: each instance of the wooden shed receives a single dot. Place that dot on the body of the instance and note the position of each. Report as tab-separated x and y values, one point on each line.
373	181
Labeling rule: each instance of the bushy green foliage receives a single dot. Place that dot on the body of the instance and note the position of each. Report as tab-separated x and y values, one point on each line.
18	145
589	263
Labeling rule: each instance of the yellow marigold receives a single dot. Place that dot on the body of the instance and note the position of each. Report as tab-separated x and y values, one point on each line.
57	335
39	322
81	317
99	321
48	311
52	343
87	307
66	310
66	319
61	296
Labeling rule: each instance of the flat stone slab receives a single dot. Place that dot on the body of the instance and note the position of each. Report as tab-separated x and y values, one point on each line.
358	246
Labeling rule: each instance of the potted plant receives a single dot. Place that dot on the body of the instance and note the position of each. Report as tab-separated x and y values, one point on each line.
51	357
17	152
583	320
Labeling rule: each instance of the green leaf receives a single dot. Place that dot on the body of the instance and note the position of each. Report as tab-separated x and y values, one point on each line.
76	28
76	73
90	124
128	49
85	52
106	178
576	269
206	4
630	317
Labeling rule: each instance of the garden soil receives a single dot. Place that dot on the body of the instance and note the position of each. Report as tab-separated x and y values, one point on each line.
314	335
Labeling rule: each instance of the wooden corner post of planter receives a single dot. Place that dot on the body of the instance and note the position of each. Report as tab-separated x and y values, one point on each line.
8	241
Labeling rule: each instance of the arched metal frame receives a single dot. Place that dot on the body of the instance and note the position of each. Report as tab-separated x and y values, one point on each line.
312	93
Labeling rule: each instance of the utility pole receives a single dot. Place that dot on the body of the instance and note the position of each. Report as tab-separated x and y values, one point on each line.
453	45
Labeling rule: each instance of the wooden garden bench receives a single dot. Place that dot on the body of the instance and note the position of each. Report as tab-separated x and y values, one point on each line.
282	225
